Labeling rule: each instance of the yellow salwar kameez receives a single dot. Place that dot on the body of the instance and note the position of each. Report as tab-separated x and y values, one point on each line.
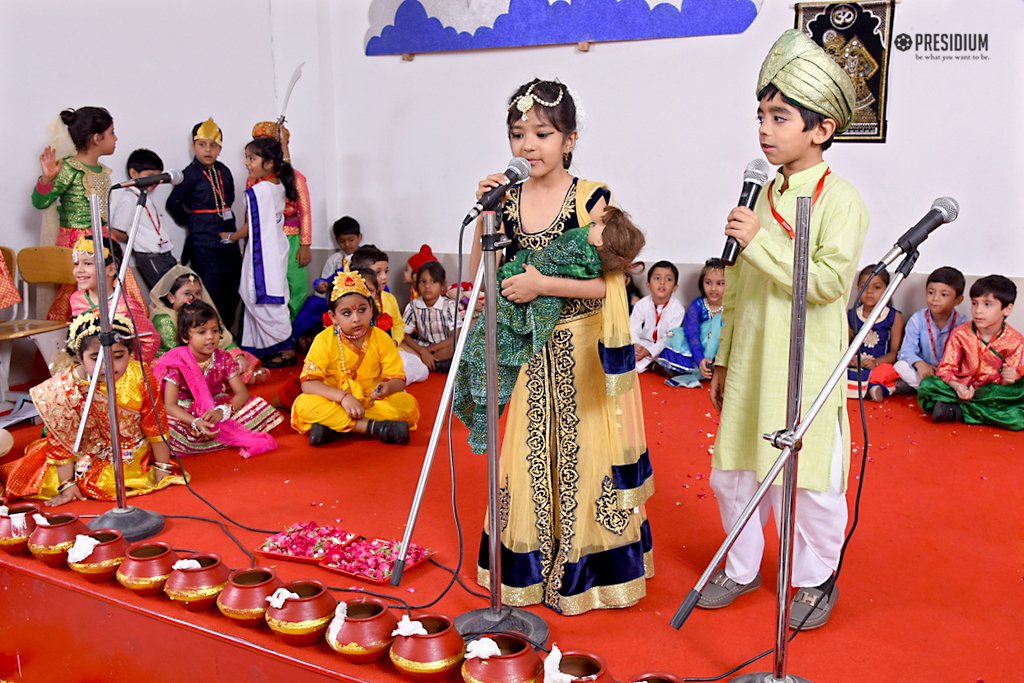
358	375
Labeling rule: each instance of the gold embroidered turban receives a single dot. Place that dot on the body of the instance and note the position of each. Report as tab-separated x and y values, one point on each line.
805	73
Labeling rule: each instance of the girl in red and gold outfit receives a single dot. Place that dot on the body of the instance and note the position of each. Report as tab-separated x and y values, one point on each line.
52	470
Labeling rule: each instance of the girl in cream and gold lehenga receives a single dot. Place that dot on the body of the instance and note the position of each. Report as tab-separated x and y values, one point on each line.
574	472
51	469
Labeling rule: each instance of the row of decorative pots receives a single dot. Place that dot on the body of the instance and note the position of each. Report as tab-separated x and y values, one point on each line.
365	635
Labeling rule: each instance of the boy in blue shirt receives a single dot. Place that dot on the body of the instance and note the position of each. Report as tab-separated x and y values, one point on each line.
928	330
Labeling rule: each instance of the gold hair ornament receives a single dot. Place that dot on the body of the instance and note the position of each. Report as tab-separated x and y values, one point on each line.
525	102
88	324
85	245
349	282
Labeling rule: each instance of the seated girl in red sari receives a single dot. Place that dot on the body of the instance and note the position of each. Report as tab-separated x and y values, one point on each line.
51	469
204	395
84	298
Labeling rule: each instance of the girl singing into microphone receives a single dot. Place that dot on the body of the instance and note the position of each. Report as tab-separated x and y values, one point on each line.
574	468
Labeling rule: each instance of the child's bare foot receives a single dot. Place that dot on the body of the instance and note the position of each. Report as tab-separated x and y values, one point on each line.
876	394
66	496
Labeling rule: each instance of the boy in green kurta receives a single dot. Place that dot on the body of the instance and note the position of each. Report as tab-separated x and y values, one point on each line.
804	98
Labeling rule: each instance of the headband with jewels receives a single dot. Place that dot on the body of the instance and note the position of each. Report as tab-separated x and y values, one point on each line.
349	282
525	102
85	245
209	130
87	325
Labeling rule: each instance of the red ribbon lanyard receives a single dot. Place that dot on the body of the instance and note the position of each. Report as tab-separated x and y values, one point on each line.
657	319
778	216
931	336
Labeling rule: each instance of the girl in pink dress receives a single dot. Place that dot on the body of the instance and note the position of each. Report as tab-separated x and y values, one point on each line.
207	403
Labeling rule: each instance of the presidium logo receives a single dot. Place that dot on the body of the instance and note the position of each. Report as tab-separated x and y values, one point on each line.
945	47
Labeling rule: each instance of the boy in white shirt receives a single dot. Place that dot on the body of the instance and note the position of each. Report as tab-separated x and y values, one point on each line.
656	314
153	249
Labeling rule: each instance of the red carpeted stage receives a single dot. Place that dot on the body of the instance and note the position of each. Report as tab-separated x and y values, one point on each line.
932	587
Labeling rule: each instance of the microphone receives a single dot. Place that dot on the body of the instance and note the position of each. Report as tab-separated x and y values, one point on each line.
754	178
518	170
173	177
944	210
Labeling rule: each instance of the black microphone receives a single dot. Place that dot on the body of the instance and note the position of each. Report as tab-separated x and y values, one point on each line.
944	210
173	177
518	170
754	178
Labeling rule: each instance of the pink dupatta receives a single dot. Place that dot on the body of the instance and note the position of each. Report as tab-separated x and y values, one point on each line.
229	432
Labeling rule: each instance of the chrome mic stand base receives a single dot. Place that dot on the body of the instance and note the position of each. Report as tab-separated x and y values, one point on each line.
134	523
486	620
768	678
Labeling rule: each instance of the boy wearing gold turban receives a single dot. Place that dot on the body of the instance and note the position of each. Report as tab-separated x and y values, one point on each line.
202	205
804	98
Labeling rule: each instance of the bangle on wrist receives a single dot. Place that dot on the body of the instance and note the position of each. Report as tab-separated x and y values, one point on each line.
164	467
195	422
225	411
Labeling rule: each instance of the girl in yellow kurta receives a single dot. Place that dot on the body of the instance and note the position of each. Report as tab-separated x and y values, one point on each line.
352	380
52	470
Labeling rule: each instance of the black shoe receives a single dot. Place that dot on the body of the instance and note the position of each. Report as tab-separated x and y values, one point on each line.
389	431
947	412
319	435
903	388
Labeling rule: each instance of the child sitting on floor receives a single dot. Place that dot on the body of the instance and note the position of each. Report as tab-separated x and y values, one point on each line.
352	380
413	265
928	330
206	400
692	348
978	379
882	343
347	236
52	469
430	319
389	315
655	314
85	297
180	286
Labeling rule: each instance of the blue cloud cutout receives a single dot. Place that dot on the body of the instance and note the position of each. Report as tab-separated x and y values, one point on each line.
538	22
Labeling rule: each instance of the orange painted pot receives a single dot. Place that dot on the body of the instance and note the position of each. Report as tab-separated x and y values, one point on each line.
50	544
431	657
146	567
655	677
585	666
517	663
102	563
197	589
16	525
366	634
244	599
302	621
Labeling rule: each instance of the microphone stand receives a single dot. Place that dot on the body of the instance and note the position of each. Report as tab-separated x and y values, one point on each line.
790	441
495	617
134	523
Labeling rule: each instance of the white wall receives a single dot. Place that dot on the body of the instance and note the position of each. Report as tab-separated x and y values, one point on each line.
400	145
671	126
159	68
